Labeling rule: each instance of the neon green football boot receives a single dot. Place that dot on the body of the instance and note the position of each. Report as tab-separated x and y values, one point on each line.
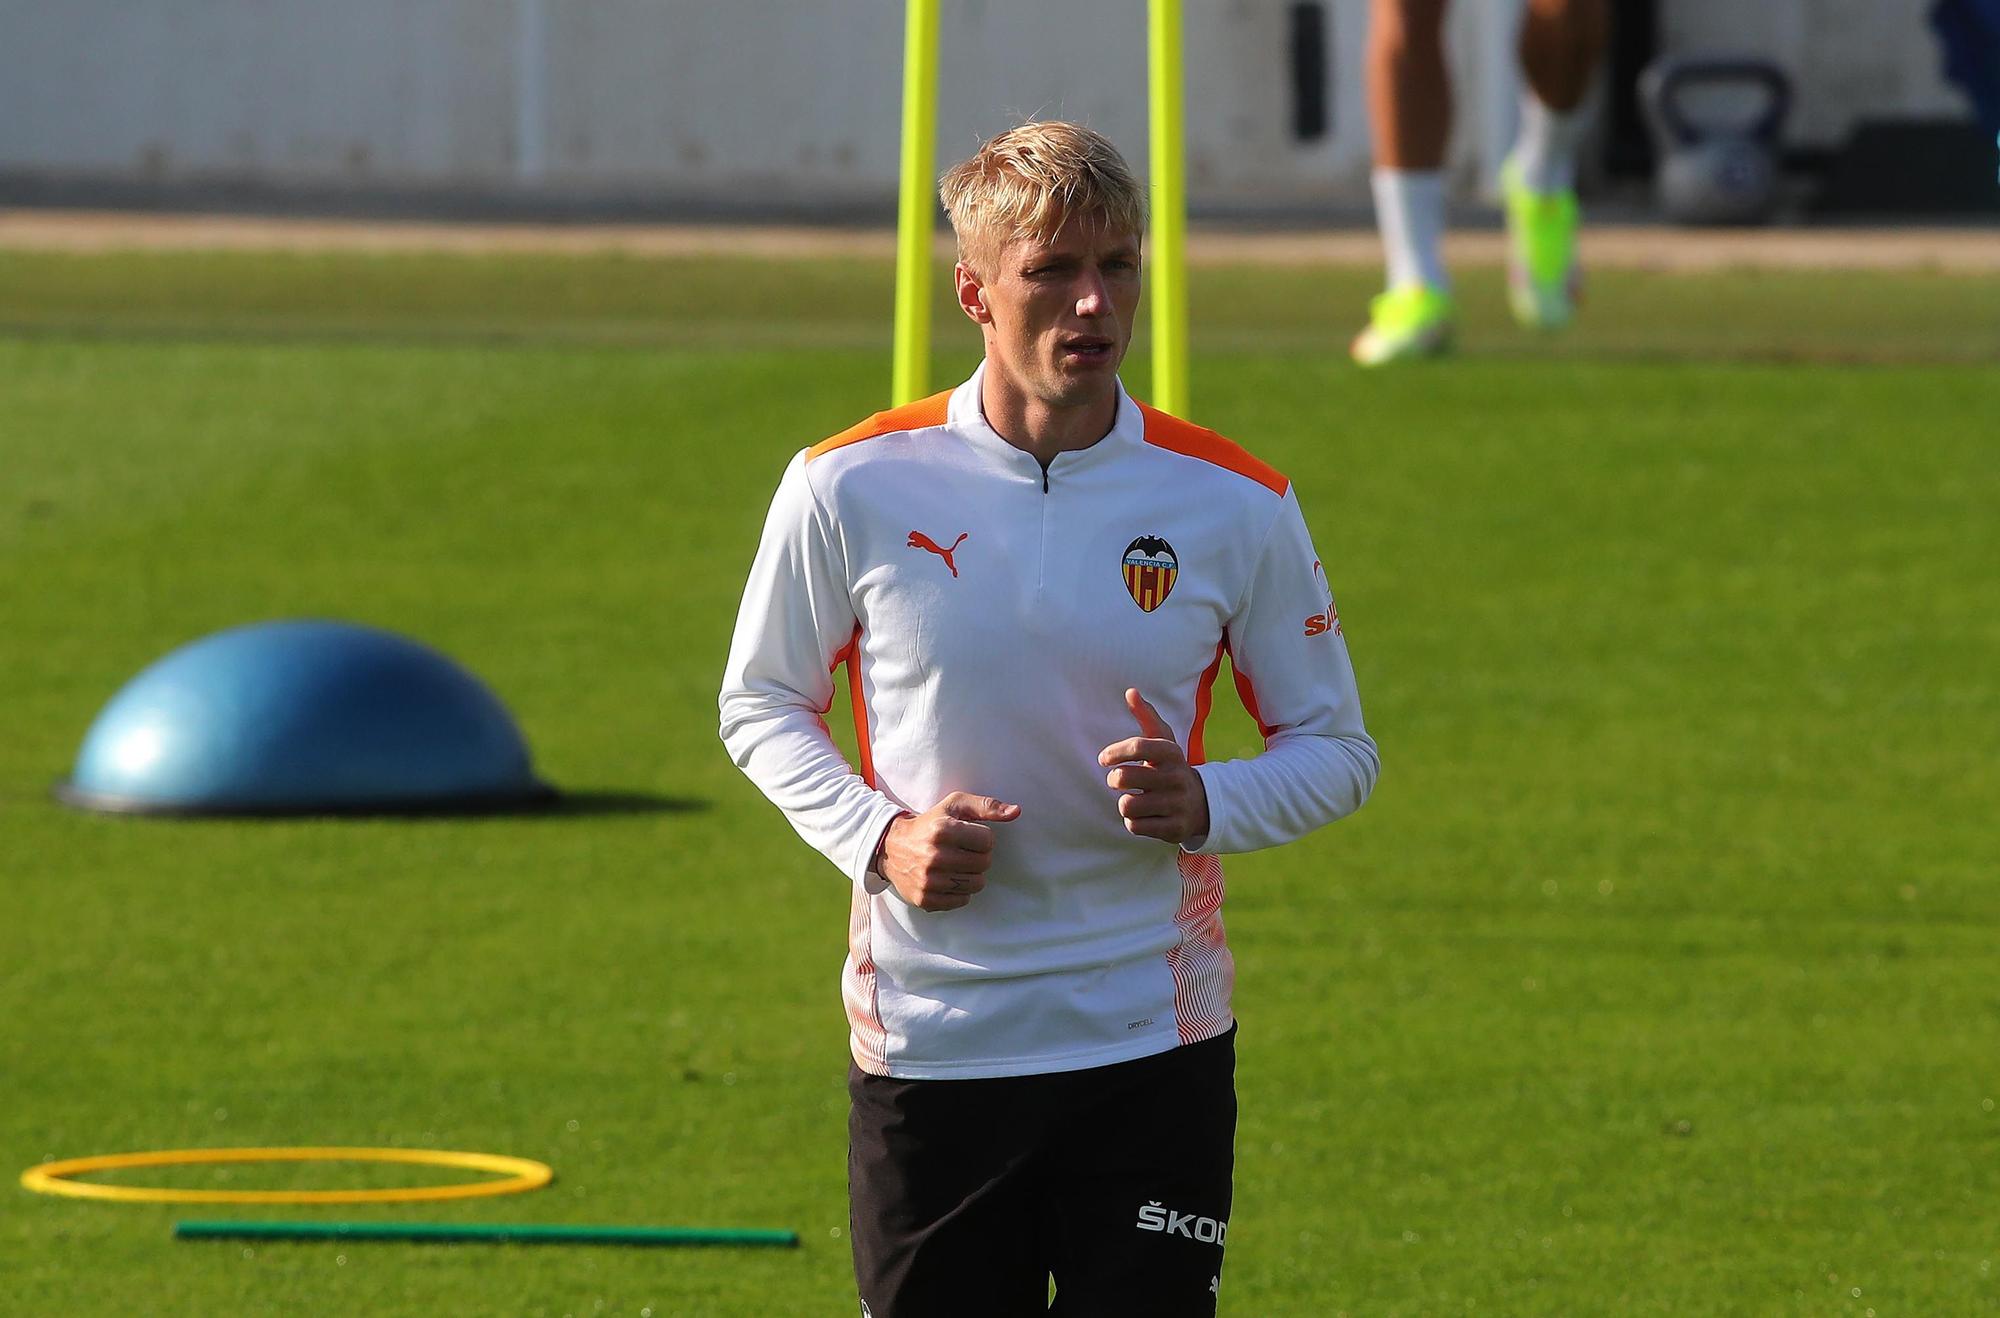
1543	278
1411	322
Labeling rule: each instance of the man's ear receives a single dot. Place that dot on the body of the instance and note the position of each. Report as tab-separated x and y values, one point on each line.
971	294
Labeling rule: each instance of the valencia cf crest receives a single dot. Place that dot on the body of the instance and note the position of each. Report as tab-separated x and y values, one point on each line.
1150	569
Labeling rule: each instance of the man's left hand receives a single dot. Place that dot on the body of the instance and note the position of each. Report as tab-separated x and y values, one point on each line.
1163	796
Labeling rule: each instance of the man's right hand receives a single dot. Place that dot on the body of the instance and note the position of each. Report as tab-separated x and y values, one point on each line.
937	860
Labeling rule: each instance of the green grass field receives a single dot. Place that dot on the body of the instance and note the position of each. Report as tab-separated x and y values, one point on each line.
1658	977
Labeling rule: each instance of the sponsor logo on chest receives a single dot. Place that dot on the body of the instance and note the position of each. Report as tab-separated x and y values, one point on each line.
918	540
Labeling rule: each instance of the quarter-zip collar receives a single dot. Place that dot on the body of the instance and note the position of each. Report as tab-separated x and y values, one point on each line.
966	415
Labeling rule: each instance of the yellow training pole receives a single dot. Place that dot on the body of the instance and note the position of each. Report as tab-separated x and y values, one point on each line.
912	372
1167	260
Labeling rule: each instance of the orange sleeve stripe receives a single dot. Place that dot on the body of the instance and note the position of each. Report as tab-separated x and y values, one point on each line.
1248	695
1190	440
858	698
1204	696
1204	692
910	416
850	655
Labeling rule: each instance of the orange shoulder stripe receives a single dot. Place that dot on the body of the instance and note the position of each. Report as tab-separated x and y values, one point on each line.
1184	437
910	416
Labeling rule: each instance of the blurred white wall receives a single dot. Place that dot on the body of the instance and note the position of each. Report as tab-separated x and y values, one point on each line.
1849	59
754	102
774	103
168	88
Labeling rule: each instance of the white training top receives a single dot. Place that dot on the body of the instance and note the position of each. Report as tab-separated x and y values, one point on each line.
990	616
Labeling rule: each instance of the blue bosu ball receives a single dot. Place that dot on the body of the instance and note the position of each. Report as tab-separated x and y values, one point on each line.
303	717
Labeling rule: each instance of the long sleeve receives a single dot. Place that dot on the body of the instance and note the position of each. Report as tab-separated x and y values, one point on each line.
1292	668
796	620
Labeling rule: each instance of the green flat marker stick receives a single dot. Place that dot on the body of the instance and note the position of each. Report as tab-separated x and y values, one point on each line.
510	1235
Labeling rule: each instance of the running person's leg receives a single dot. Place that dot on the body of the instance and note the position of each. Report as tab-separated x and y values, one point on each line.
1409	108
945	1212
1140	1180
1561	43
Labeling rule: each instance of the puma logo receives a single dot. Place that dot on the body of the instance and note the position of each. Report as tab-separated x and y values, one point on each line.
918	540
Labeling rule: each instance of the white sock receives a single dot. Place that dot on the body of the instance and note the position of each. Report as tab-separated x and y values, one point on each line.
1409	212
1545	149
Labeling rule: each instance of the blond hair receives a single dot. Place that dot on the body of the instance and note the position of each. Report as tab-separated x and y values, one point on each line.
1030	181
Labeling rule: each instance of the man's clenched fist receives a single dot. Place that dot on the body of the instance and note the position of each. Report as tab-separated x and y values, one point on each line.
937	860
1160	794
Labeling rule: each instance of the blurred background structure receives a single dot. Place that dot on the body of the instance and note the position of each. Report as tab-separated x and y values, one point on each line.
769	108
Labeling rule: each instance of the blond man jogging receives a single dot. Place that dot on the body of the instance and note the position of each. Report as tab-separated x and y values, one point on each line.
1032	581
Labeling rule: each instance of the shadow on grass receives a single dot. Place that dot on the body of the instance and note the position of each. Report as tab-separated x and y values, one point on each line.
594	803
583	804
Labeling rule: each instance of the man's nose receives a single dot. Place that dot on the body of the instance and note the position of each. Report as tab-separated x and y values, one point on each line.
1093	298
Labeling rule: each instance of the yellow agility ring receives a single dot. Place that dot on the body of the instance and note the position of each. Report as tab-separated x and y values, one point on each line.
521	1174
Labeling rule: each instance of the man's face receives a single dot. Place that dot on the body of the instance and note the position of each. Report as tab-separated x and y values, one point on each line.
1057	312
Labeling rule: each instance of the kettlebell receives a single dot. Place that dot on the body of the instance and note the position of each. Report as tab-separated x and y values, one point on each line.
1715	173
